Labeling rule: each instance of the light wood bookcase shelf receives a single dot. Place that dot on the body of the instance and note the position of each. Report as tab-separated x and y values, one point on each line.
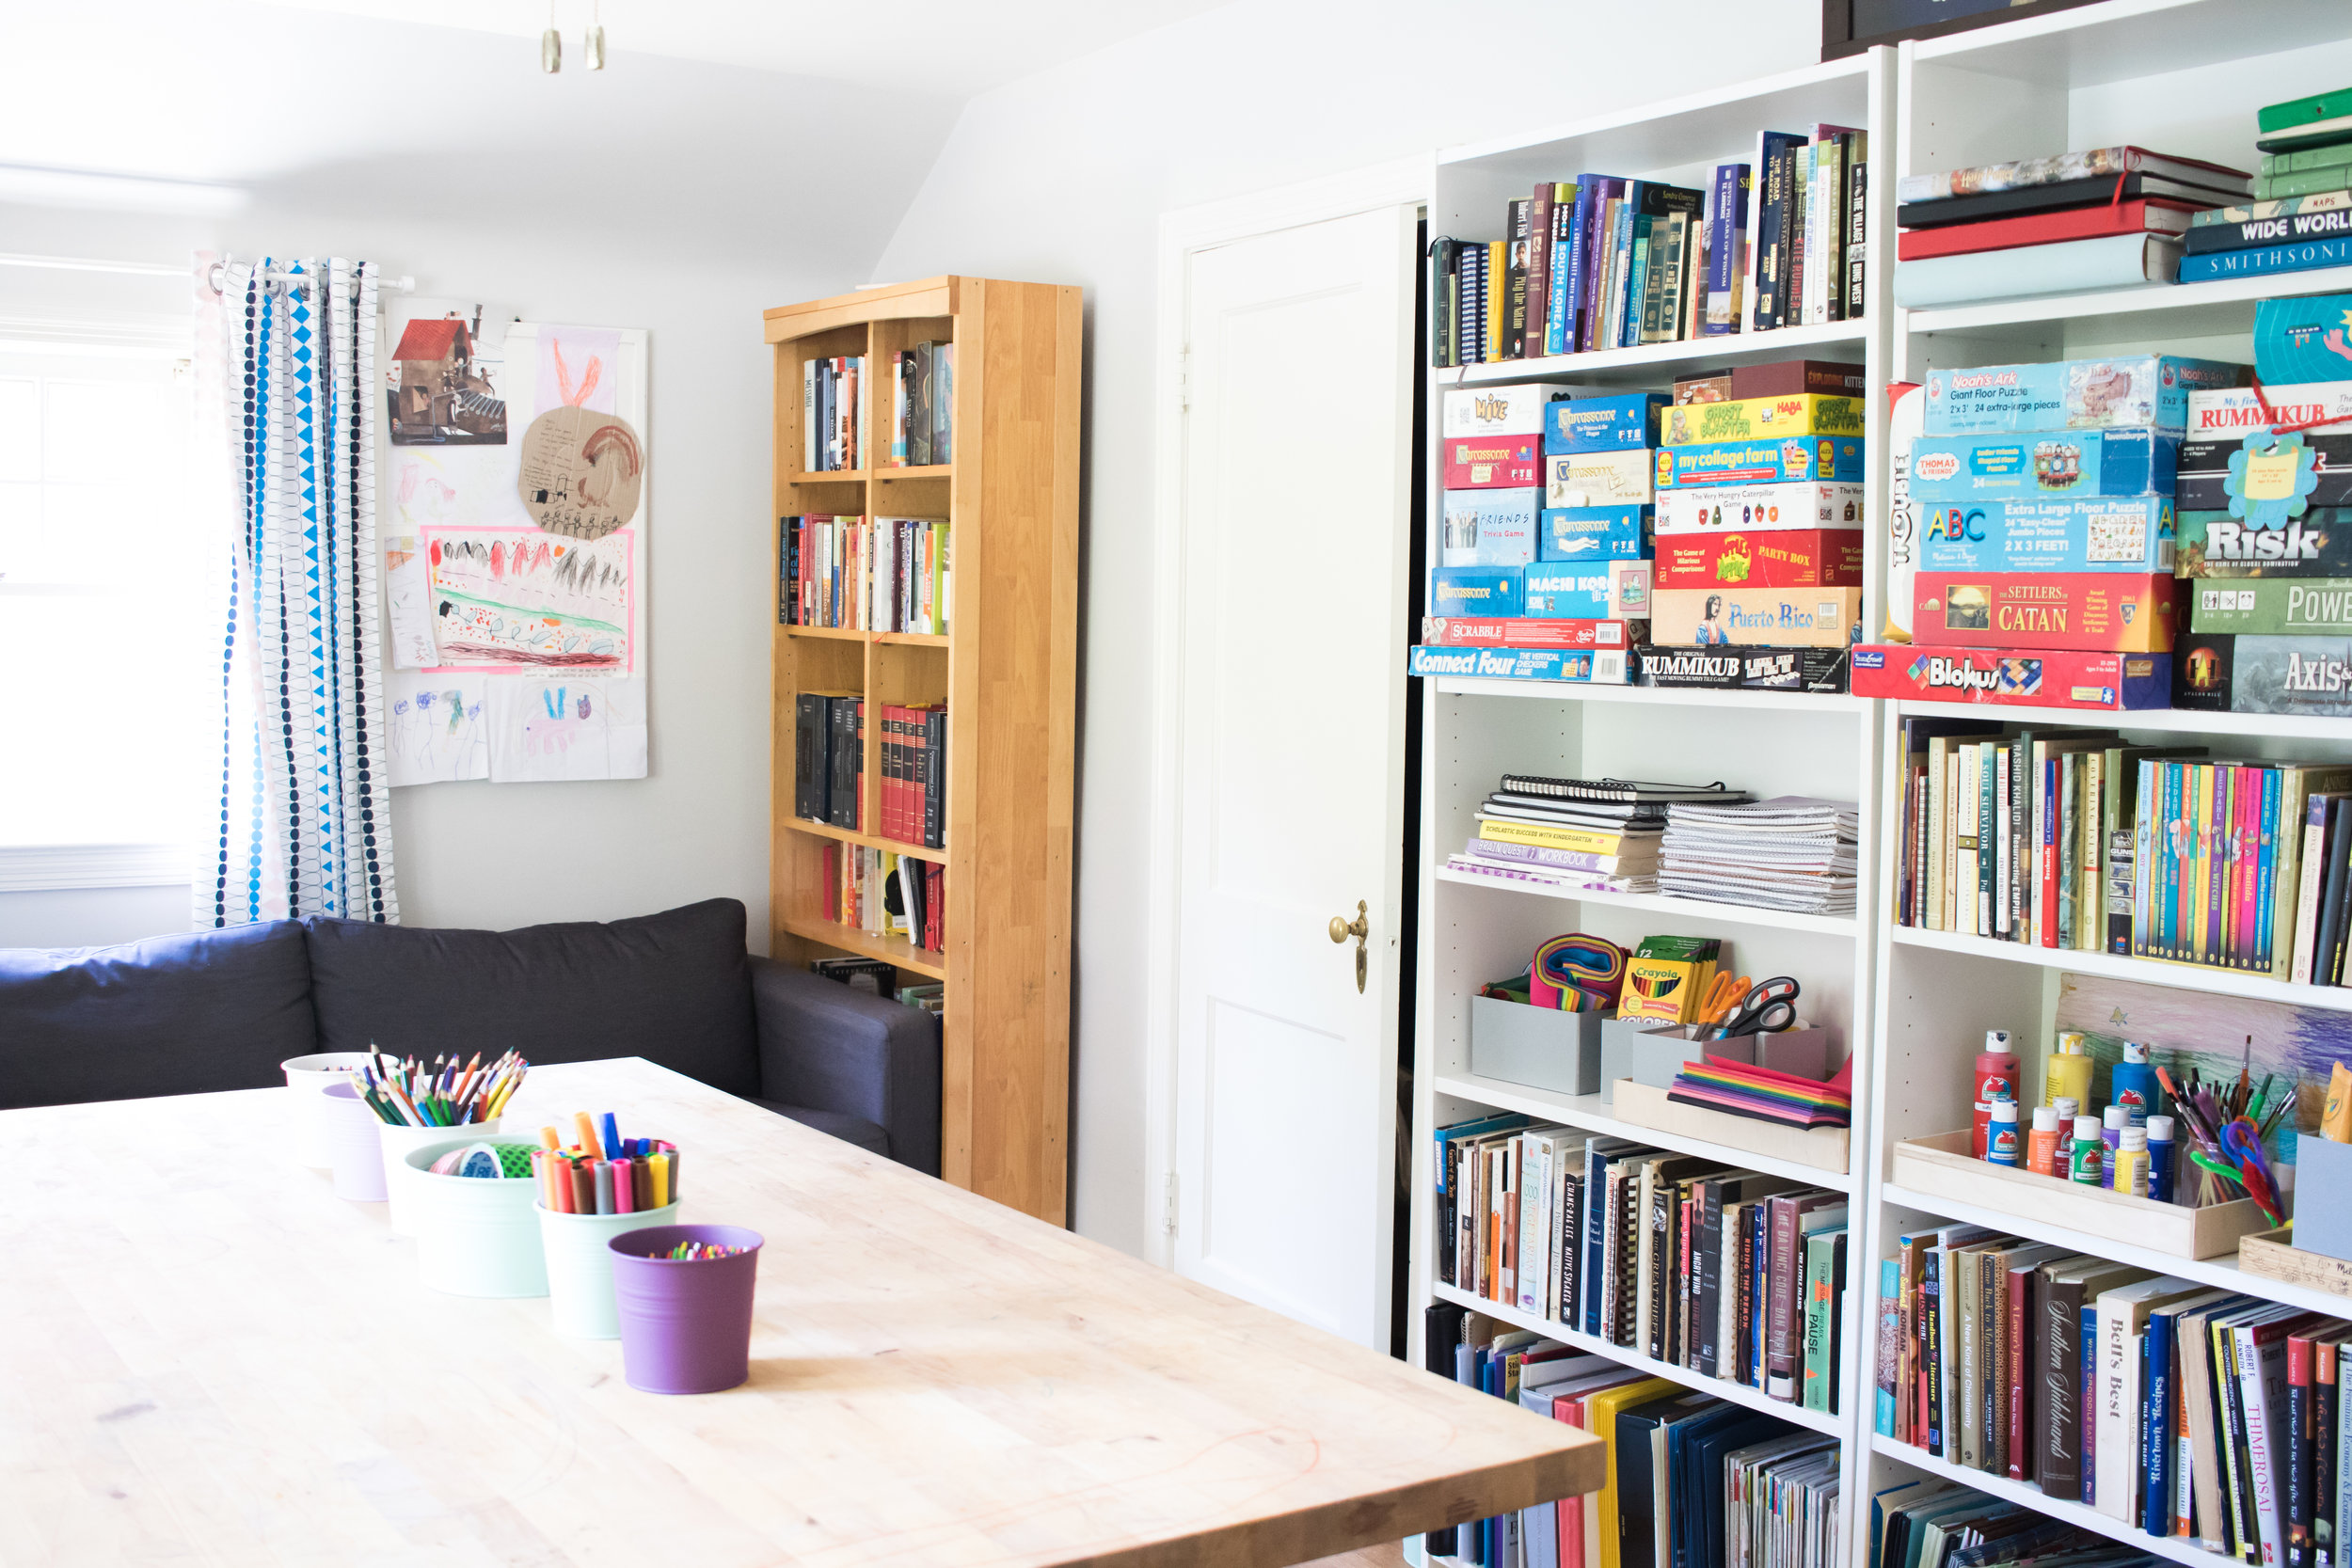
1007	670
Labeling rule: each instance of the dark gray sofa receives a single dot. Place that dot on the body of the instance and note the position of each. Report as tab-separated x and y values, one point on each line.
220	1009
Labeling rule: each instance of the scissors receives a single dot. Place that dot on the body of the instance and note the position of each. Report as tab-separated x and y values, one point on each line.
1769	1006
2241	1143
1722	992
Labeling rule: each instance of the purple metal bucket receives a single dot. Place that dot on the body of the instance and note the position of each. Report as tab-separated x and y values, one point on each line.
685	1326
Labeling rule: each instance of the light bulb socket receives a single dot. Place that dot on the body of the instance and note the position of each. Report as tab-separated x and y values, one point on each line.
592	48
551	51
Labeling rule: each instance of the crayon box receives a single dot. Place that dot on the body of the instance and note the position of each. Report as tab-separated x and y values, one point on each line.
2122	534
1785	558
1782	460
2018	677
2097	611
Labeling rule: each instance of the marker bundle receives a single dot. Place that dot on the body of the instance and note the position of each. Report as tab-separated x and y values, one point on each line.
604	1173
697	1252
407	1094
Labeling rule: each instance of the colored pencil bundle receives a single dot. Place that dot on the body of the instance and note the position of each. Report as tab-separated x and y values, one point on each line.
407	1094
604	1173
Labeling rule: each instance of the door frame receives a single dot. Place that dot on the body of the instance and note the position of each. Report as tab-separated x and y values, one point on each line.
1406	181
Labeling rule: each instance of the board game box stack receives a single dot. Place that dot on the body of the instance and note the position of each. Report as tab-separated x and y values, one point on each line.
2044	496
2266	554
2300	214
2109	217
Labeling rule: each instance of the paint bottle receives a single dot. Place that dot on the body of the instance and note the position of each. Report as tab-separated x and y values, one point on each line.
2062	1163
1996	1082
2131	1162
2133	1083
2000	1147
2160	1158
2041	1146
2067	1073
2089	1159
2111	1124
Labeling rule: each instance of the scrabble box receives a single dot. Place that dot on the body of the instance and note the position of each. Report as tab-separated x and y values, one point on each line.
1487	631
2096	612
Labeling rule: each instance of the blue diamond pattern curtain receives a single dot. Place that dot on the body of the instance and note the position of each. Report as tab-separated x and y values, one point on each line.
302	825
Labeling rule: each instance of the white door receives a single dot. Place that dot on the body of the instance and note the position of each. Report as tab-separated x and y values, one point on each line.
1297	468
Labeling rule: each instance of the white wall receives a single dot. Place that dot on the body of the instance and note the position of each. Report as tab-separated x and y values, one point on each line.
1061	178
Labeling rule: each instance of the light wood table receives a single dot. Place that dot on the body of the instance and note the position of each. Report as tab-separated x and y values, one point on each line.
205	1357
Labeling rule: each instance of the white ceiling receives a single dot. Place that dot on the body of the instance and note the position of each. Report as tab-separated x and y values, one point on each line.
955	47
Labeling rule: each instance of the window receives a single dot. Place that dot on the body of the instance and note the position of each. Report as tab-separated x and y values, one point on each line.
103	566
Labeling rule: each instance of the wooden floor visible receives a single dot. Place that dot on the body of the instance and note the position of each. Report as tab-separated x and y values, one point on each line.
1371	1556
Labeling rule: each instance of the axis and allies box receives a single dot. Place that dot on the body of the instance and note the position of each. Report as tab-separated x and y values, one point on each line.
1756	617
1622	423
2149	389
2318	544
1949	470
1816	669
2123	534
1490	631
2223	673
1588	666
2231	413
2096	612
2018	677
1788	558
2273	606
1586	591
1834	459
1593	533
1476	591
2264	468
1707	507
1482	411
1493	462
1762	419
1489	528
1598	479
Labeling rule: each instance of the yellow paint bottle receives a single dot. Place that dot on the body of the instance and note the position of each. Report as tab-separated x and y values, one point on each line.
2066	1072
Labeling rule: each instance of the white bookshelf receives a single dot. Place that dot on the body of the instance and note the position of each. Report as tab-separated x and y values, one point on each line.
2181	76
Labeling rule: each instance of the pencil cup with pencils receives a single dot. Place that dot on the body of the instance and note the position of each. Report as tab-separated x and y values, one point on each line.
476	1235
580	1266
684	1299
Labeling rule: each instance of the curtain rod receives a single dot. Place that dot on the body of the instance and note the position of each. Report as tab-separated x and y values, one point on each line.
165	269
282	280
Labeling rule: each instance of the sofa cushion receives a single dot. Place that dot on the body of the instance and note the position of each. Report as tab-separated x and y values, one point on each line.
673	987
840	1124
172	1015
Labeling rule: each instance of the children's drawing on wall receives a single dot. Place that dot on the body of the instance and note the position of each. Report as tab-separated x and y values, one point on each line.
408	603
516	598
583	464
544	731
445	376
440	729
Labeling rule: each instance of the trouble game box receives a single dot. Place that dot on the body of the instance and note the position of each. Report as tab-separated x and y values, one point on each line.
1785	558
2096	612
2018	677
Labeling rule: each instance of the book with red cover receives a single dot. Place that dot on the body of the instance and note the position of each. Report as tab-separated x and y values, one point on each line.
2147	216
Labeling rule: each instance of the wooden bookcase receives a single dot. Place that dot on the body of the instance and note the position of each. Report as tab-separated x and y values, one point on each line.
1007	669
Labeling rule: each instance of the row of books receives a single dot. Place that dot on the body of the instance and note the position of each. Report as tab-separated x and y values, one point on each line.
1941	1524
1693	1481
2301	214
2176	1409
886	893
1604	263
829	766
922	400
833	413
1713	1269
2075	839
865	574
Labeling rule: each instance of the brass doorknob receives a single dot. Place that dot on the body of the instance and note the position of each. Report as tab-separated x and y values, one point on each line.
1361	928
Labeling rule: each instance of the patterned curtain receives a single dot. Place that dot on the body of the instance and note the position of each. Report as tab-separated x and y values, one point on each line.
286	367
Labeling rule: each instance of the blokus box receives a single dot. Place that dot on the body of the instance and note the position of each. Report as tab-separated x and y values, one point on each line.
1704	507
1598	479
1488	528
2120	534
1482	411
1816	669
1586	591
2097	611
2272	607
2071	394
1476	591
1952	469
1493	462
1591	667
2318	544
1490	631
2269	469
1593	533
1756	617
1626	422
2223	673
1761	419
2018	677
1785	558
1837	459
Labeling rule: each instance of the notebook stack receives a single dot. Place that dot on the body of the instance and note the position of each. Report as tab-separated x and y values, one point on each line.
2301	214
1793	852
1598	835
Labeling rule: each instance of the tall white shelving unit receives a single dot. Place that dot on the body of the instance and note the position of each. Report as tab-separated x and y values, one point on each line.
2181	76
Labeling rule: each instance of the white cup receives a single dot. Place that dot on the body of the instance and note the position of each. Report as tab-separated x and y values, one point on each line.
305	1077
358	1155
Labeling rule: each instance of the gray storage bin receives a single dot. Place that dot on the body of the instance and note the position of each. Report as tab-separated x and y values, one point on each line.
1540	1047
1801	1053
1617	1038
2320	1169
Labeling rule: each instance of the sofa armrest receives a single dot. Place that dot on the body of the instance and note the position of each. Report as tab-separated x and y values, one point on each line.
827	1047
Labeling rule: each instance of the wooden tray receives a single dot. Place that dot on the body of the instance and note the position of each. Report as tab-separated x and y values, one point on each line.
1942	1166
1824	1148
2274	1254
